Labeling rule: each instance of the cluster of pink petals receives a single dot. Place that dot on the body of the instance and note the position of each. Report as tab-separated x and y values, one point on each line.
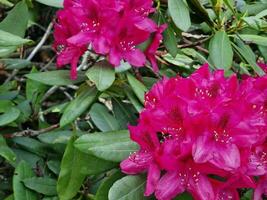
205	134
112	27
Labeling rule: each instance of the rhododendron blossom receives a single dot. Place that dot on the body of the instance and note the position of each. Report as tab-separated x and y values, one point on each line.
113	28
205	134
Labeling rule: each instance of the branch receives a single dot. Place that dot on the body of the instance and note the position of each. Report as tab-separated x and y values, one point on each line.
31	133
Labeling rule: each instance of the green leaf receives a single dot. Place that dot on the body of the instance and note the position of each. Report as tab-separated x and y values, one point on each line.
6	152
179	60
138	87
26	156
55	137
31	145
7	39
53	3
58	77
133	99
79	105
113	146
9	116
15	63
43	185
128	188
70	177
180	14
195	55
124	66
35	91
54	166
102	192
221	53
102	74
75	166
17	20
6	3
123	112
102	118
246	53
257	39
10	197
23	171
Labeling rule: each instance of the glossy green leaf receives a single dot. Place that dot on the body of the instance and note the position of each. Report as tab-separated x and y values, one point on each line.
180	14
23	171
54	166
128	188
43	185
75	166
221	53
58	77
14	23
9	116
102	74
103	119
124	113
6	152
53	3
138	87
8	39
79	105
15	63
247	54
102	192
113	146
256	39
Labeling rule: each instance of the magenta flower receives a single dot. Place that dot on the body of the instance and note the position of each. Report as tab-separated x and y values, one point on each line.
151	50
67	53
186	178
112	28
198	130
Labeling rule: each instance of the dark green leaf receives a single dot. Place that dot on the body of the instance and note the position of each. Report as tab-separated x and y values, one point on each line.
75	166
128	188
6	152
102	192
23	171
123	112
138	87
102	74
7	39
102	118
14	23
257	39
221	53
9	116
79	105
53	3
58	77
180	14
114	146
43	185
15	63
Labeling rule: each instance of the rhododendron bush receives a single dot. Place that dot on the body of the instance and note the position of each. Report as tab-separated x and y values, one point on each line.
133	100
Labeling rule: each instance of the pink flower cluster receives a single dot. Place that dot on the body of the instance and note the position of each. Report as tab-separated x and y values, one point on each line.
112	27
205	134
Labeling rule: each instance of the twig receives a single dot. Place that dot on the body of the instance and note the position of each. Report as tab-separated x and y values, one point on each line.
32	133
34	51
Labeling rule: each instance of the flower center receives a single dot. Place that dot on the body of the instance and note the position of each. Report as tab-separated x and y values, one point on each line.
127	46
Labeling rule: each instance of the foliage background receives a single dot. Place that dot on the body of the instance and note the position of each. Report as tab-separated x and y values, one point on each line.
63	139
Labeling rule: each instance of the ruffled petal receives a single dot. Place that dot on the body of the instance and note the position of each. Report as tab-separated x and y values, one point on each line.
169	186
152	179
